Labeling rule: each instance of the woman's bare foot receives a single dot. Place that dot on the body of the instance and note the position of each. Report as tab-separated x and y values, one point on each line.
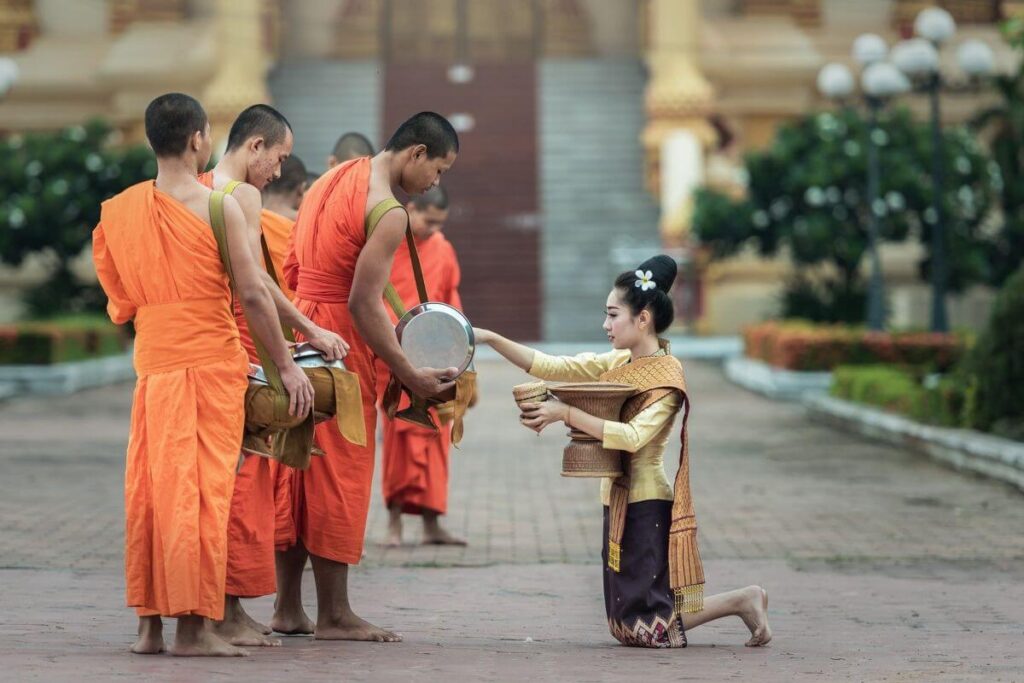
151	636
354	628
195	638
292	622
241	634
755	615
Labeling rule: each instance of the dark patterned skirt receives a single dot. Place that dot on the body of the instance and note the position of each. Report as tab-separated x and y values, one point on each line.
637	599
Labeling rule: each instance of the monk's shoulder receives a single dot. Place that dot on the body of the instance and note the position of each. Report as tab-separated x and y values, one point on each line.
124	198
249	198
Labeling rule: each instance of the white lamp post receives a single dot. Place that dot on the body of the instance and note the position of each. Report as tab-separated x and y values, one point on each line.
880	81
918	58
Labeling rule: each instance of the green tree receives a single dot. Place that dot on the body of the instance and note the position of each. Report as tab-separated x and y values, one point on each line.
53	185
1005	124
807	193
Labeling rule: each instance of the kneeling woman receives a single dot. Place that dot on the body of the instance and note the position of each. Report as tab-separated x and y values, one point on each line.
653	577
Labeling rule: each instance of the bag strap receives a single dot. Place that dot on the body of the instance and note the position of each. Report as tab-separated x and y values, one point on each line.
390	293
268	262
220	234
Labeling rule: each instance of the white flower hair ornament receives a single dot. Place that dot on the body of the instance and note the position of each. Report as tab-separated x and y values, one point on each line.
644	280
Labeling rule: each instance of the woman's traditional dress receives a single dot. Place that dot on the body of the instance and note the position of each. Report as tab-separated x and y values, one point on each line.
652	568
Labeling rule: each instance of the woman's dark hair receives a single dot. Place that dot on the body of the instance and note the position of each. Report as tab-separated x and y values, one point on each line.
663	272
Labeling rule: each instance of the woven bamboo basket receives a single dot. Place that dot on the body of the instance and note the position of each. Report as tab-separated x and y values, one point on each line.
530	392
584	456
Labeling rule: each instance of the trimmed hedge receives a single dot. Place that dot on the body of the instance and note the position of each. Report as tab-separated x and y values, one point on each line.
60	341
903	390
795	345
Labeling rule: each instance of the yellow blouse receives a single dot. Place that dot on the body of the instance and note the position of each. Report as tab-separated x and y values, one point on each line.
645	436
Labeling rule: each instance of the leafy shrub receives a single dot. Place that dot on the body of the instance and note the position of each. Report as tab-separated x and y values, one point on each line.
59	341
808	347
996	365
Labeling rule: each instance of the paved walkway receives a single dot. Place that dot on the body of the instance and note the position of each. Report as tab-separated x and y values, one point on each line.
880	565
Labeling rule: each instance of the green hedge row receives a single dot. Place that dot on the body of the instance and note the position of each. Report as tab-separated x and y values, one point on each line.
60	341
906	390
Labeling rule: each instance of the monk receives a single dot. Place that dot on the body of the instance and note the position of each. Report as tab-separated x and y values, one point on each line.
349	146
259	142
158	262
339	275
289	615
415	458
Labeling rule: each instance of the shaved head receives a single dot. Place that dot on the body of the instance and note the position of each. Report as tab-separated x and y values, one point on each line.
171	121
259	120
352	145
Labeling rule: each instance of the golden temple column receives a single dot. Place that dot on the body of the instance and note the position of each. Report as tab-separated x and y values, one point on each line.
678	102
243	62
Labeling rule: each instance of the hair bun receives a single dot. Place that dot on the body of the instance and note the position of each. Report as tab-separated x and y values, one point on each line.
663	269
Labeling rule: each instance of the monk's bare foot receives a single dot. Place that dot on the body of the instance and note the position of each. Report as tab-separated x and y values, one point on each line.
253	624
354	628
394	537
435	534
195	638
292	622
151	636
755	615
240	634
440	536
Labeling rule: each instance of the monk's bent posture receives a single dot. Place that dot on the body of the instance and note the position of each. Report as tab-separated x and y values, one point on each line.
338	275
259	142
289	615
415	458
158	262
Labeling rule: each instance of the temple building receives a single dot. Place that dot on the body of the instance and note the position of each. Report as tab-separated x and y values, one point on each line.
585	124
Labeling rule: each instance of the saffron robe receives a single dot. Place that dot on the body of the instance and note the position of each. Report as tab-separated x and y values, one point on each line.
332	497
159	266
253	523
415	459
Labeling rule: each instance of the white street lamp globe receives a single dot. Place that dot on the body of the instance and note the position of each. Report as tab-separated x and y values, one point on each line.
976	58
883	80
935	24
869	48
835	81
8	74
915	57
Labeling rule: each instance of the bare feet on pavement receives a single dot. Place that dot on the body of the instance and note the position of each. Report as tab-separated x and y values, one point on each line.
755	616
151	636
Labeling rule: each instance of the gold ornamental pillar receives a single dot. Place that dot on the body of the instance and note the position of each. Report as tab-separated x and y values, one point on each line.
243	61
678	101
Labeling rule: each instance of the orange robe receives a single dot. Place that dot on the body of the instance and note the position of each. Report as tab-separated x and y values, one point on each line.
159	265
332	497
415	459
253	522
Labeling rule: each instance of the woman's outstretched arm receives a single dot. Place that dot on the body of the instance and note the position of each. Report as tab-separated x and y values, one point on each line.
518	354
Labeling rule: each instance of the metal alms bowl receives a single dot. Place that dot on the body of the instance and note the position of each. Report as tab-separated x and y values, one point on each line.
305	356
436	335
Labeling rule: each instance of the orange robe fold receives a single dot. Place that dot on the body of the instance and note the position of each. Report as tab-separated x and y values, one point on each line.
415	459
159	265
332	497
253	524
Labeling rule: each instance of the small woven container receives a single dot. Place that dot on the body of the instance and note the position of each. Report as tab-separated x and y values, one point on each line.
584	456
530	392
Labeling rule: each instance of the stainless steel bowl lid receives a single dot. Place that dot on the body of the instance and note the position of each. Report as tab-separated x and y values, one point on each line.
305	356
436	335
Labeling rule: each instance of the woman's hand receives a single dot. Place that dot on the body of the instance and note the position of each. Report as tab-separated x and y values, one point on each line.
537	416
483	336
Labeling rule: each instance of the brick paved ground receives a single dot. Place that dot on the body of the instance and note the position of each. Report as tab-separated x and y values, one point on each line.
881	565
